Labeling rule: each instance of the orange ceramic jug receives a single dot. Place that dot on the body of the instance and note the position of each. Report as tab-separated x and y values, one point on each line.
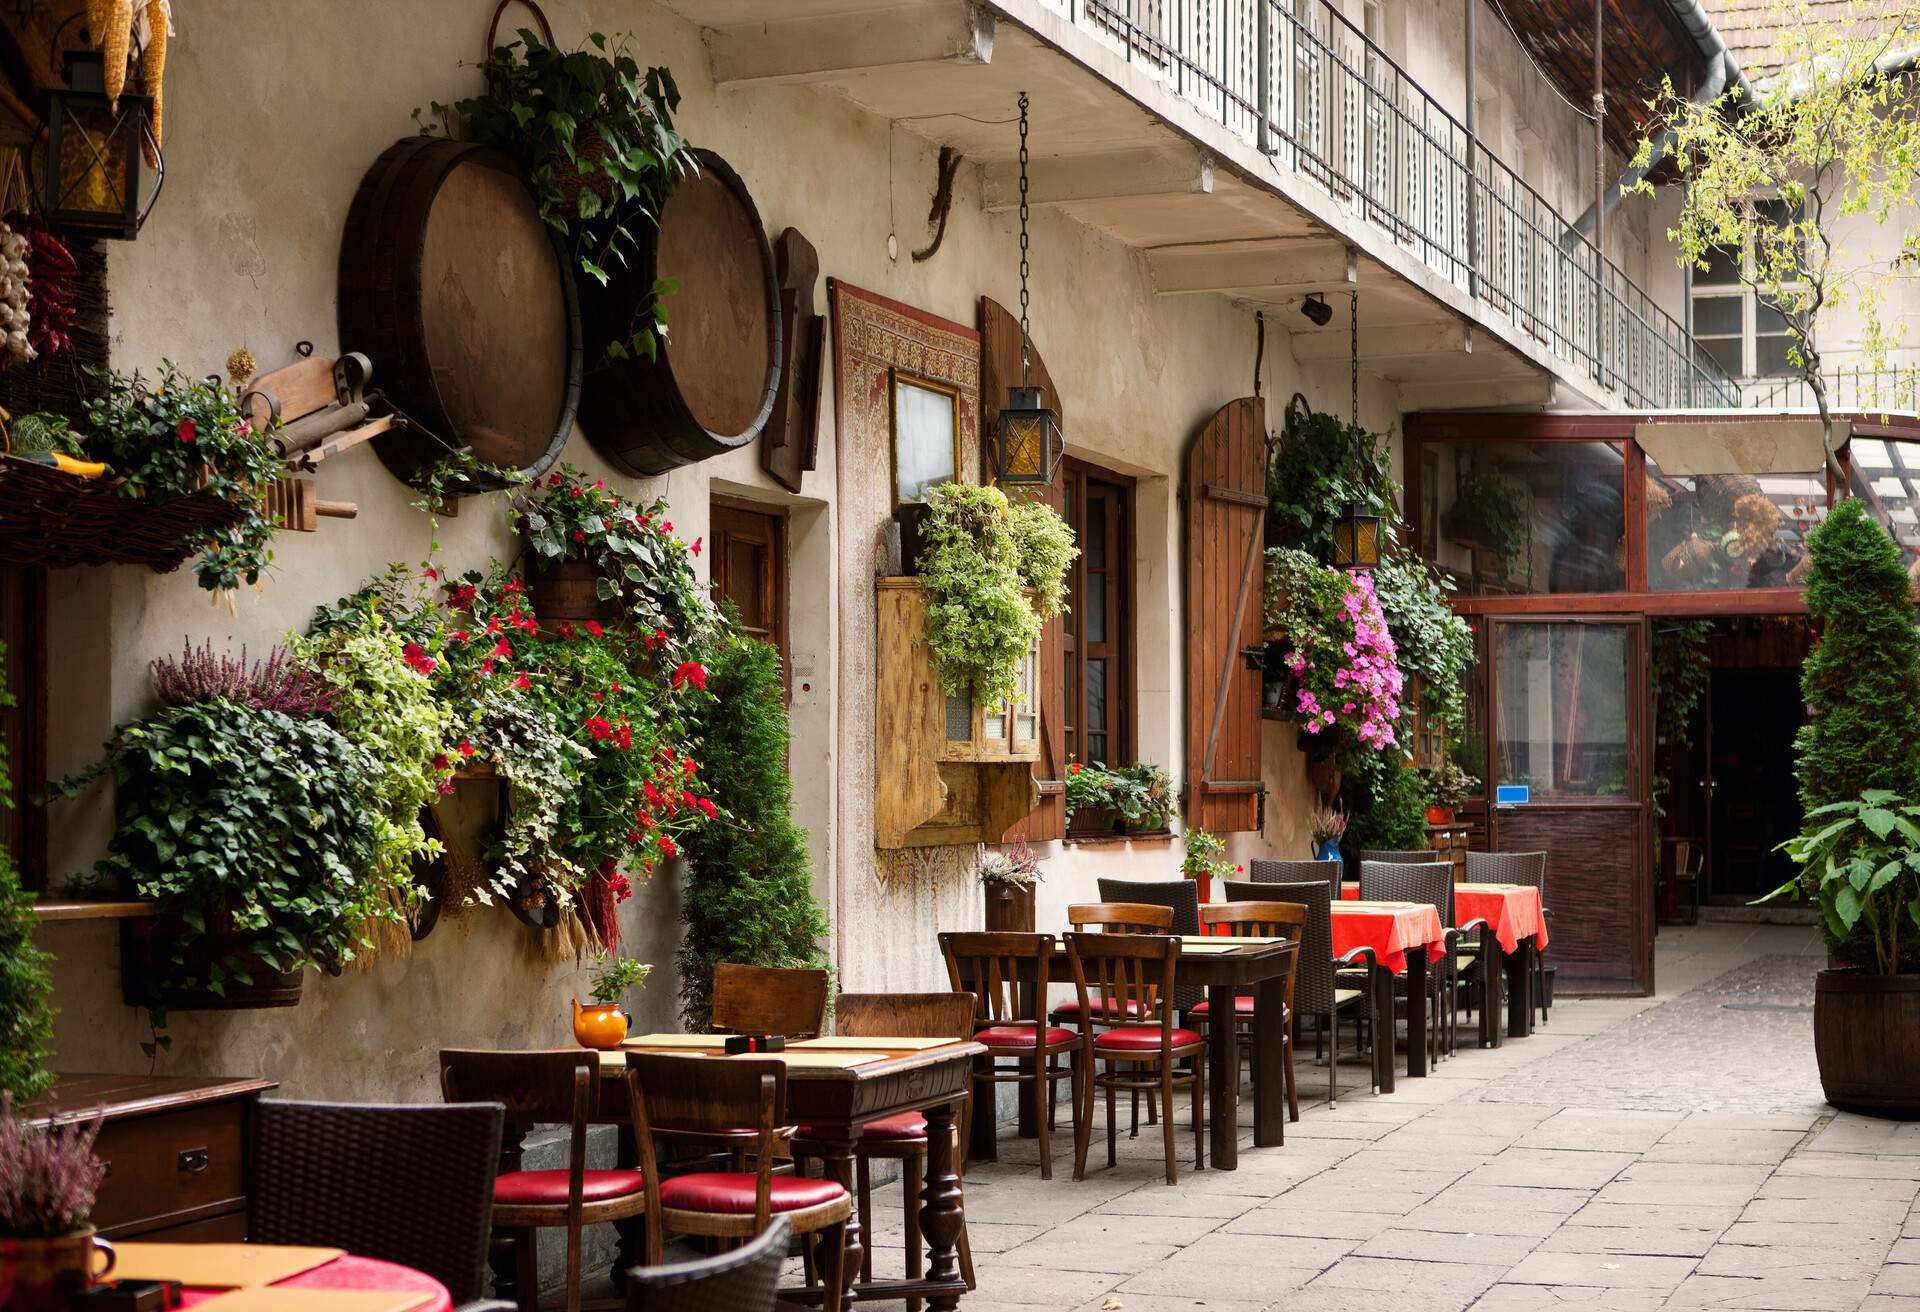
598	1024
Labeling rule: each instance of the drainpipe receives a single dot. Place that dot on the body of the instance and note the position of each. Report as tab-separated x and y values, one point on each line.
1472	120
1723	70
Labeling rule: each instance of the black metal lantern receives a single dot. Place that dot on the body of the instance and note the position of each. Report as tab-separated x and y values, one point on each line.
1027	443
1356	538
93	184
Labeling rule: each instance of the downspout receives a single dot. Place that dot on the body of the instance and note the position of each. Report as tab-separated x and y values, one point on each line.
1723	70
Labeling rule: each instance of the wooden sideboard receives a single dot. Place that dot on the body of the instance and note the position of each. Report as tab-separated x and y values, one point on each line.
178	1150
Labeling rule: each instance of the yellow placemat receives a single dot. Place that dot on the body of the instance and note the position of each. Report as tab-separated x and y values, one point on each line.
1213	946
279	1298
703	1042
870	1043
1237	940
216	1266
841	1060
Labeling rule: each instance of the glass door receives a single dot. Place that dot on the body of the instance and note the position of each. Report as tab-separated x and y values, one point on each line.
1570	778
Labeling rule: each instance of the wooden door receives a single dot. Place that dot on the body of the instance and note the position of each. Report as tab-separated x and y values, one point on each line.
1224	488
1568	713
749	562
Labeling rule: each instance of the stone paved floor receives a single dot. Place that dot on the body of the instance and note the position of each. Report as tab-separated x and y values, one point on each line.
1670	1152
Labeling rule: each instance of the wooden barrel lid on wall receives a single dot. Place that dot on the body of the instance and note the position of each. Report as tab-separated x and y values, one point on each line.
465	301
712	387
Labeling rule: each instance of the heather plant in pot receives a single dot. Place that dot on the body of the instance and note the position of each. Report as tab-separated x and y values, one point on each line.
1859	853
48	1250
1007	880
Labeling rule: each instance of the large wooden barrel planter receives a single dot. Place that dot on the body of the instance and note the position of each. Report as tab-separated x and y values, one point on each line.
465	302
1866	1036
148	974
568	590
712	385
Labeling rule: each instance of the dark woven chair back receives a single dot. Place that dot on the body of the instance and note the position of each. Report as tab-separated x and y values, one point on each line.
1183	897
993	967
1313	965
1528	868
408	1184
1394	881
745	1280
904	1015
1298	872
1121	917
769	1000
1389	854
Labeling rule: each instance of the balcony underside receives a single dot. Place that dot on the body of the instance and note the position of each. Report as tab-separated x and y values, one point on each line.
1114	149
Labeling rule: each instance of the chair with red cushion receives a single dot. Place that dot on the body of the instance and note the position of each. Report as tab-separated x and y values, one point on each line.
543	1088
1259	920
1007	974
1114	973
713	1101
1115	918
902	1137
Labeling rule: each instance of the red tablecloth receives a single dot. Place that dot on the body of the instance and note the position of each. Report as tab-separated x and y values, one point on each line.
351	1272
1511	910
1391	929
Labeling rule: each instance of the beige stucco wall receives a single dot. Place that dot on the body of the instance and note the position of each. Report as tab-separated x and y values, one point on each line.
274	112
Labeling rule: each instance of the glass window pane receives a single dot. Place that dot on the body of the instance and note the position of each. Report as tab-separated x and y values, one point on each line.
1094	539
1096	611
1562	709
1715	316
925	438
746	582
1712	532
1892	470
1723	351
1097	747
1723	269
1531	517
1096	695
1772	357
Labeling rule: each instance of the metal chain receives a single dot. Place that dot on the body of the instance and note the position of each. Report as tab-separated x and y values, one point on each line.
1353	356
1024	298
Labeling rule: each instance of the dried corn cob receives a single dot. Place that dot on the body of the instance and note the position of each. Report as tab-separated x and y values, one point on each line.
115	40
153	67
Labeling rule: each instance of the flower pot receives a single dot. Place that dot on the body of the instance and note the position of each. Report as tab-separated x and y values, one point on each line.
567	590
1328	850
149	976
1866	1037
1096	822
598	1024
1009	909
41	1275
1439	815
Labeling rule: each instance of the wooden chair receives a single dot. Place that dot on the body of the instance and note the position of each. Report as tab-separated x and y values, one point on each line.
544	1088
769	1000
1112	971
1182	897
411	1184
902	1137
1261	920
745	1280
1114	918
715	1101
1007	973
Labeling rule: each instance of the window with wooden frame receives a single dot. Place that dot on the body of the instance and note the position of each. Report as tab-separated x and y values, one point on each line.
1098	629
748	551
23	720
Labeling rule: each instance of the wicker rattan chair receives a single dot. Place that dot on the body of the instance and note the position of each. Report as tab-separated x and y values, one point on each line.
745	1280
1528	868
1183	897
409	1184
1430	882
1397	857
1316	988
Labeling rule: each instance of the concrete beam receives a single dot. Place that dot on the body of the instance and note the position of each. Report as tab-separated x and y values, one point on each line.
1484	394
1396	342
1118	175
1261	271
834	47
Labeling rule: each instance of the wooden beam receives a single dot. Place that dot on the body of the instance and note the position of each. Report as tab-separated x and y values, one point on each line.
1395	342
1115	175
832	47
1477	395
1266	269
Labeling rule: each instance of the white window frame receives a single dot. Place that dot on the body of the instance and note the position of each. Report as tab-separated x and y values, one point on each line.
1750	300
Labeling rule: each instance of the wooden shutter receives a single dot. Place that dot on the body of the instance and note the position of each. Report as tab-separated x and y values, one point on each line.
999	370
1225	494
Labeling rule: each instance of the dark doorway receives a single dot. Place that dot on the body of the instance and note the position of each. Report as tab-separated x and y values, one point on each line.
1756	800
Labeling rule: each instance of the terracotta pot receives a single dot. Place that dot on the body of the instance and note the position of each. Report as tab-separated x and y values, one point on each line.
148	972
568	590
1866	1037
598	1024
1439	815
41	1275
1096	822
1009	909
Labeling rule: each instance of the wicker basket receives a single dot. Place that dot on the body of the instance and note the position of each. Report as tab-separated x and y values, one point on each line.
50	517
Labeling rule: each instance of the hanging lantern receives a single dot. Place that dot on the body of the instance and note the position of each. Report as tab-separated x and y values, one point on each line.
1356	538
1027	443
93	182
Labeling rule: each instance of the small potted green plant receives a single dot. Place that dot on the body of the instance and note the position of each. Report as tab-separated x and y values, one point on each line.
48	1178
1326	826
601	1023
1201	862
1448	788
1007	879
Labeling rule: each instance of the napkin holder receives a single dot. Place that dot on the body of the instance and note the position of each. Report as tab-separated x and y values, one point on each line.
739	1043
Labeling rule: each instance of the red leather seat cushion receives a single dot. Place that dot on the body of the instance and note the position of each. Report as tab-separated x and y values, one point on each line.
731	1192
1143	1038
1242	1005
1104	1007
891	1129
523	1187
1020	1036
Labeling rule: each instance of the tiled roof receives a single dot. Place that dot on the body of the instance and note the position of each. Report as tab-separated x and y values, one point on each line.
1750	29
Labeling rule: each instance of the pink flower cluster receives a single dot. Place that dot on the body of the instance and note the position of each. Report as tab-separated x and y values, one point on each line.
1360	692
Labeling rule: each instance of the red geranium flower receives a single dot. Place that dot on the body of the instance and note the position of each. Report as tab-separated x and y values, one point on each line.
465	748
593	627
430	573
708	808
503	648
579	535
696	545
667	848
523	683
598	727
690	672
416	657
623	736
187	430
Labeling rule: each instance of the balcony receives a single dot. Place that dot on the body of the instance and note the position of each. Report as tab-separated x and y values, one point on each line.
1262	150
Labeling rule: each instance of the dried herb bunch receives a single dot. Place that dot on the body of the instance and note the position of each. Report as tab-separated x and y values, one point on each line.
278	683
47	1177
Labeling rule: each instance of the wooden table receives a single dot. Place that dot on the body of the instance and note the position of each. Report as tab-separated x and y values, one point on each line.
1259	968
837	1102
1516	930
1404	936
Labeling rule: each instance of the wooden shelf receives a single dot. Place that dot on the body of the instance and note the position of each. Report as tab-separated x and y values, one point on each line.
82	909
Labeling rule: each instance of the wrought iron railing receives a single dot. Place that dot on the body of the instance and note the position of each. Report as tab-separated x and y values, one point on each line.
1311	92
1891	387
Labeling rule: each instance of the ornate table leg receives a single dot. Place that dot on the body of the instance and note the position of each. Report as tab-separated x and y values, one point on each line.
1269	1063
837	1156
940	1215
1223	1073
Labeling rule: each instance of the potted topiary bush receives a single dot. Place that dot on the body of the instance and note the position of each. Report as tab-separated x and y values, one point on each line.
1859	855
48	1251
